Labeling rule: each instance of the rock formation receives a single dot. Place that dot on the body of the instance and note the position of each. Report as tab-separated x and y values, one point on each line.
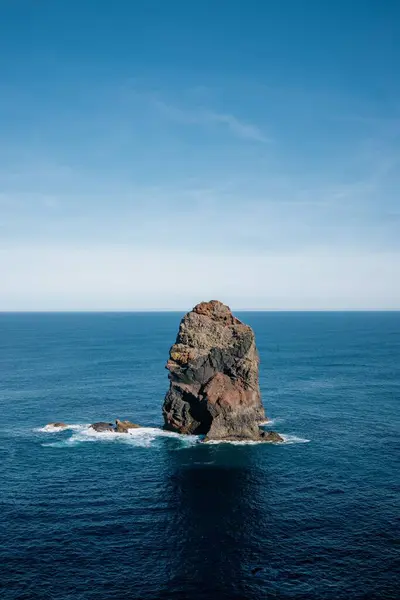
119	427
271	436
102	426
124	426
213	372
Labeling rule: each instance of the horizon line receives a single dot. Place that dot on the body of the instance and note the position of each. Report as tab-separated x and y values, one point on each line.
178	310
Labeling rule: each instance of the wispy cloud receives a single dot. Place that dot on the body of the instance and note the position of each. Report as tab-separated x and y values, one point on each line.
200	116
243	130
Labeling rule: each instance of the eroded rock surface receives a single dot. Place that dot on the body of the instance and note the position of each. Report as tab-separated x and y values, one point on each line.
213	372
271	436
102	426
124	426
118	427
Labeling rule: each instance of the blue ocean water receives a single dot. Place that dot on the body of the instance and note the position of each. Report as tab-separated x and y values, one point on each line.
159	516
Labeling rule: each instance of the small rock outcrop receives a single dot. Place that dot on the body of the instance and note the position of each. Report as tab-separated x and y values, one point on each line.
118	427
124	426
271	436
57	424
102	426
213	372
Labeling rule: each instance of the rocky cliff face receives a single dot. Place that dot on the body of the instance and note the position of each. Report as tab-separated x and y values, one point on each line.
213	372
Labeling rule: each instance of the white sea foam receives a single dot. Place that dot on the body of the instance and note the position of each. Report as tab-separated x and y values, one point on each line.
272	421
141	437
287	439
51	429
293	439
145	437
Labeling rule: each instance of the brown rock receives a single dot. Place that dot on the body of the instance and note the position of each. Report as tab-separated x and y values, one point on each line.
57	424
124	426
213	372
102	426
271	436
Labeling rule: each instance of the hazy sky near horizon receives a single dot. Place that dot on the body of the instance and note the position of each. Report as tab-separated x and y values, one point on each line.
154	154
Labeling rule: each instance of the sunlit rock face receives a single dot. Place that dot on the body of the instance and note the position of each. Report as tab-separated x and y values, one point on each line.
213	372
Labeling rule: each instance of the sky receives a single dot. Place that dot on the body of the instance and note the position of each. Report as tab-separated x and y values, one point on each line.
154	154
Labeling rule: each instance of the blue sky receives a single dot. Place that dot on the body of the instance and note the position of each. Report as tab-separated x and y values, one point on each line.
157	153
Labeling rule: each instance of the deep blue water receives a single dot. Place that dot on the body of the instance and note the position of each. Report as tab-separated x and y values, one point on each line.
153	516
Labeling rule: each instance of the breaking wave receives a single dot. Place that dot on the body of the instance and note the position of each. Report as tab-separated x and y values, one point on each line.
269	422
53	429
287	439
141	437
293	439
145	437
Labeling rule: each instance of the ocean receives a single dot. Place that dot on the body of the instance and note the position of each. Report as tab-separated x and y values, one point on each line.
154	515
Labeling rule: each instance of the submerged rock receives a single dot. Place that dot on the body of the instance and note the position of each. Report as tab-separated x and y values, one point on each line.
124	426
102	426
57	424
213	372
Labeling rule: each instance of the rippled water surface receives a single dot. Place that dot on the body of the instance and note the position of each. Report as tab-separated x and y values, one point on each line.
154	515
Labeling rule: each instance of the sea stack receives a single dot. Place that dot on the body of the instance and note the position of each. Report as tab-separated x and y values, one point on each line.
213	371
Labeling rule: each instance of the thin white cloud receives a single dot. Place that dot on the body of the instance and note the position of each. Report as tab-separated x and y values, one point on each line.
239	128
240	206
201	116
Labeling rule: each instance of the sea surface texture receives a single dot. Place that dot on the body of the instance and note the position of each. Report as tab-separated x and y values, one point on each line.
154	515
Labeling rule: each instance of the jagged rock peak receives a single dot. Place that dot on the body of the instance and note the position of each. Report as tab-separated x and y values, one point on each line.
217	311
